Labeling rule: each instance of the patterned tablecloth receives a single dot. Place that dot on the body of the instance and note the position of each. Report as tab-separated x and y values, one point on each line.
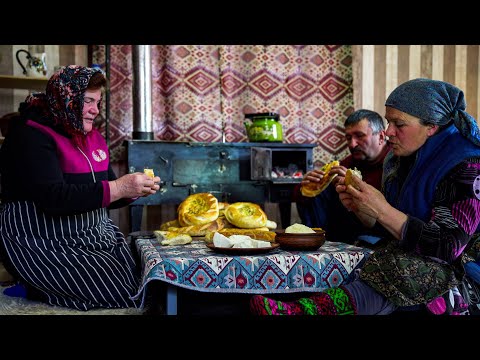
196	267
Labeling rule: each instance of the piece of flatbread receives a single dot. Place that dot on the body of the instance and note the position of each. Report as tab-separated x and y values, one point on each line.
172	238
149	172
272	225
313	189
350	173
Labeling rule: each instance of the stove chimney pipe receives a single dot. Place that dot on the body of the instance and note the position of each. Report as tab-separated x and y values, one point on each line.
142	93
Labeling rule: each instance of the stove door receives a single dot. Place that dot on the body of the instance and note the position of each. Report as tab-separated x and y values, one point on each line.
261	163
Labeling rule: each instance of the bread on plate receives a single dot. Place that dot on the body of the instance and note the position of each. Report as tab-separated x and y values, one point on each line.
246	215
198	209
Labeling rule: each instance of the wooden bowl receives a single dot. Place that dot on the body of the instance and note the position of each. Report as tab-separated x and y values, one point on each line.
295	241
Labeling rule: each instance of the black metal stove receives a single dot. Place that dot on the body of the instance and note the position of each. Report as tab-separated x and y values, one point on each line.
254	172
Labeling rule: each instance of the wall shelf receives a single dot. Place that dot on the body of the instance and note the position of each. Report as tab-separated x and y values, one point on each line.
23	82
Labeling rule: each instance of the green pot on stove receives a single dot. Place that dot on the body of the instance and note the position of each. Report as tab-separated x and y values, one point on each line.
263	127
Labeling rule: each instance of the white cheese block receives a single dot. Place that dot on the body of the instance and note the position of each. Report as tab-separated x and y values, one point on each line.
243	244
238	241
220	240
262	244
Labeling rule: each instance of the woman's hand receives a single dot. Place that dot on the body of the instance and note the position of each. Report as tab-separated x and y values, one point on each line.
363	198
370	206
347	199
155	187
133	185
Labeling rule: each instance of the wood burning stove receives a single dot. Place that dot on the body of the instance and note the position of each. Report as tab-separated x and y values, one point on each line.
254	172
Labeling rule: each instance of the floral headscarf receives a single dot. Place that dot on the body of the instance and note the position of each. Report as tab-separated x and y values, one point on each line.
62	103
436	102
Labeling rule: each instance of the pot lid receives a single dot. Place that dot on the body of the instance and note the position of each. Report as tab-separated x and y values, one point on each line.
271	115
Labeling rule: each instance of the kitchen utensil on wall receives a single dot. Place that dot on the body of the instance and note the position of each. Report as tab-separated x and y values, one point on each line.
36	64
263	127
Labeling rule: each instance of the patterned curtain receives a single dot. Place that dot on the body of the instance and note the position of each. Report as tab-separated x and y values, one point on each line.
201	92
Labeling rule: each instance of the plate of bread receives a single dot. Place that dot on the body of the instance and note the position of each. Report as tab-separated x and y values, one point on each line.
202	215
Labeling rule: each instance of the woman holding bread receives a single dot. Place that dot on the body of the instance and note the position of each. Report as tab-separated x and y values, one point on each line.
429	208
57	184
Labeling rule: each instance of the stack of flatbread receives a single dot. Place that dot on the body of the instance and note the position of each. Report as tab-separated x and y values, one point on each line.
202	215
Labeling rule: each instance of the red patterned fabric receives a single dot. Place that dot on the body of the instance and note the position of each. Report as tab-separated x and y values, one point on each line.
332	301
201	92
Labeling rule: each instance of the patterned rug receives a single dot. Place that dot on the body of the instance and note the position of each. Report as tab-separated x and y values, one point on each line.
20	306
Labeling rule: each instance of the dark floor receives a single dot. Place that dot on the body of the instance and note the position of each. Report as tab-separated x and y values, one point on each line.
197	303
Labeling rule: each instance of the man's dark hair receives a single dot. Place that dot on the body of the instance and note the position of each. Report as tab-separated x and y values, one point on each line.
97	81
375	120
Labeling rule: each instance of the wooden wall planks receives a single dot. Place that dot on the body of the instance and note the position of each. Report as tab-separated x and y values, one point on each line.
380	68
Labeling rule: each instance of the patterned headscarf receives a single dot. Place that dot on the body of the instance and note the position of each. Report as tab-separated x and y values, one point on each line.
62	103
435	102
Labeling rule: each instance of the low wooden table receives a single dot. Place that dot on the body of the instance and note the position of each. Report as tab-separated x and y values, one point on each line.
196	267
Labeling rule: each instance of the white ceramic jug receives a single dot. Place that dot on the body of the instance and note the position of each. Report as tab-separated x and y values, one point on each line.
36	64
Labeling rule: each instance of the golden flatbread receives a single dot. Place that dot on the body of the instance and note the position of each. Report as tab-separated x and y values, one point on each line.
349	174
313	189
149	172
246	215
200	230
198	209
172	238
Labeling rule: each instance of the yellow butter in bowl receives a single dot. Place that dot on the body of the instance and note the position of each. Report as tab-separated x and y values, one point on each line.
299	229
149	172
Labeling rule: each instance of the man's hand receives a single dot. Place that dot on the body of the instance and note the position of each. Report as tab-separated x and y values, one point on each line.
340	171
315	176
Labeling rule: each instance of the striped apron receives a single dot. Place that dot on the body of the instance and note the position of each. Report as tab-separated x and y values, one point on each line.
77	261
